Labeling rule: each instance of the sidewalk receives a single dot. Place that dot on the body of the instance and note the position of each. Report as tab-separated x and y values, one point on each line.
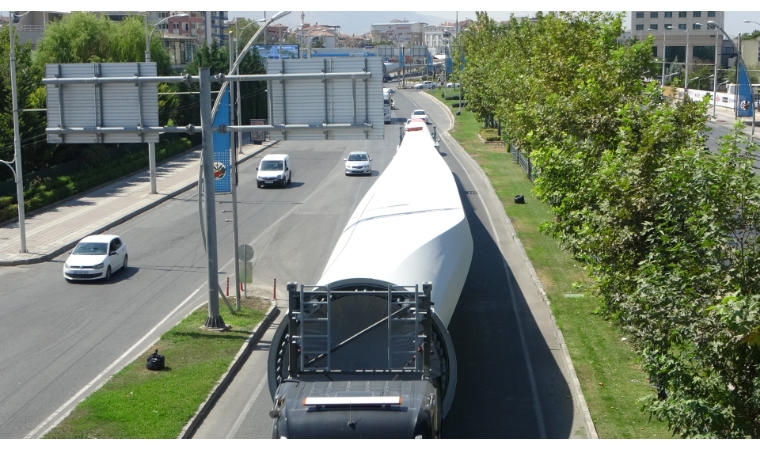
55	229
727	117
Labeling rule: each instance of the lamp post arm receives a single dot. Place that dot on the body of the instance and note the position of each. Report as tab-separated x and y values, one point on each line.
240	59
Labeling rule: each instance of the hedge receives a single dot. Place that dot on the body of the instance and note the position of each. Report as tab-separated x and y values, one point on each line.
44	191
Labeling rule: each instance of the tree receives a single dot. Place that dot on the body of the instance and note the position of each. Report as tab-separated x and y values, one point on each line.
667	232
31	124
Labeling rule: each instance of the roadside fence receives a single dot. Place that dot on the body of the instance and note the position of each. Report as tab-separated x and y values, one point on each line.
524	161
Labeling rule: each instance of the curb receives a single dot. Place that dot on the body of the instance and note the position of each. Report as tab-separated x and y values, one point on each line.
242	356
156	202
95	188
582	405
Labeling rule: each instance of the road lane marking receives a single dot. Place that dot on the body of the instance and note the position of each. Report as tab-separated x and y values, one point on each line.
102	374
248	406
526	356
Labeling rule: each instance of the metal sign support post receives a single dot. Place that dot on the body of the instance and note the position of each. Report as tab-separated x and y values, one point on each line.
214	319
151	145
233	184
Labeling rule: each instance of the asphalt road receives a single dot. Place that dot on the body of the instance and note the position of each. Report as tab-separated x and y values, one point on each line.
61	341
513	381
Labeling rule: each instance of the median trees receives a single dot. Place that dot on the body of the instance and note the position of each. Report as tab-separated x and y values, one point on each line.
667	231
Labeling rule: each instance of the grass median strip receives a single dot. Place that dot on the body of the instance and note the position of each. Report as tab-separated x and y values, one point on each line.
137	403
605	364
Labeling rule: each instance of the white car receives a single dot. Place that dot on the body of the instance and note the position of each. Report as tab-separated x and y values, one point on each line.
420	114
96	257
358	163
425	85
452	85
274	170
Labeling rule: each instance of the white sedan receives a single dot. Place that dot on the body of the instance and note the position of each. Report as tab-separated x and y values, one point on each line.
425	85
358	163
96	257
420	114
452	85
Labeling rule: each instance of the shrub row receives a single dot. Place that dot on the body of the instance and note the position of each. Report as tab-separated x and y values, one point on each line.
489	134
448	95
44	191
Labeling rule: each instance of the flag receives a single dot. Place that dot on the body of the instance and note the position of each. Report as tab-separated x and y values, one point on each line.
744	104
222	173
449	69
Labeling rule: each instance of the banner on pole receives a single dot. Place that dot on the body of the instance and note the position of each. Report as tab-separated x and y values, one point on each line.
222	173
745	105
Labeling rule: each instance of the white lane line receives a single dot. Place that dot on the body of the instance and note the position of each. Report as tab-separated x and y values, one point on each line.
248	406
526	355
528	364
102	374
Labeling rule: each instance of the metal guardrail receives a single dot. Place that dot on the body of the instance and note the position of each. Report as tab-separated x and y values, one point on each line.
525	162
31	28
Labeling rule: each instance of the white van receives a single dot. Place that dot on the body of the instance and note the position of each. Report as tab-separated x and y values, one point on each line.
387	117
273	170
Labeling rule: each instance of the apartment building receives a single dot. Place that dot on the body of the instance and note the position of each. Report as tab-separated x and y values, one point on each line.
673	31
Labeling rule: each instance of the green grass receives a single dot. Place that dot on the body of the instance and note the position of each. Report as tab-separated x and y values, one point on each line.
141	404
610	377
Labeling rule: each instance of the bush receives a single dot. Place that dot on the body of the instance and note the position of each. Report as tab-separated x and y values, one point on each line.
102	165
8	212
490	134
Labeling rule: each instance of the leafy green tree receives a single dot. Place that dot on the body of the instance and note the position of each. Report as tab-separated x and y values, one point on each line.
79	37
252	93
667	231
246	29
31	124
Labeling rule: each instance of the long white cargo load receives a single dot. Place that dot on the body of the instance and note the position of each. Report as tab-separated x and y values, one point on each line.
366	353
409	228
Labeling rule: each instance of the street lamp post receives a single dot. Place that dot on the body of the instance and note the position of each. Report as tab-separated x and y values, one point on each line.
237	87
686	75
152	145
18	173
664	49
715	72
752	96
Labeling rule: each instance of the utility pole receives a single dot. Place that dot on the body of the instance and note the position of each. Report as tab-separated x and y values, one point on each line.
214	319
233	185
17	138
715	72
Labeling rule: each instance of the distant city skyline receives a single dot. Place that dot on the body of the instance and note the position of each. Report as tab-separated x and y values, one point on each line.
733	26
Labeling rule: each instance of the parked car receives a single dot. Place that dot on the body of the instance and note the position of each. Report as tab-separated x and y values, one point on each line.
425	85
274	170
96	257
420	114
452	85
358	163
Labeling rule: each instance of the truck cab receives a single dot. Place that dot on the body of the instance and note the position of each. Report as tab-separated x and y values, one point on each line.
387	106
